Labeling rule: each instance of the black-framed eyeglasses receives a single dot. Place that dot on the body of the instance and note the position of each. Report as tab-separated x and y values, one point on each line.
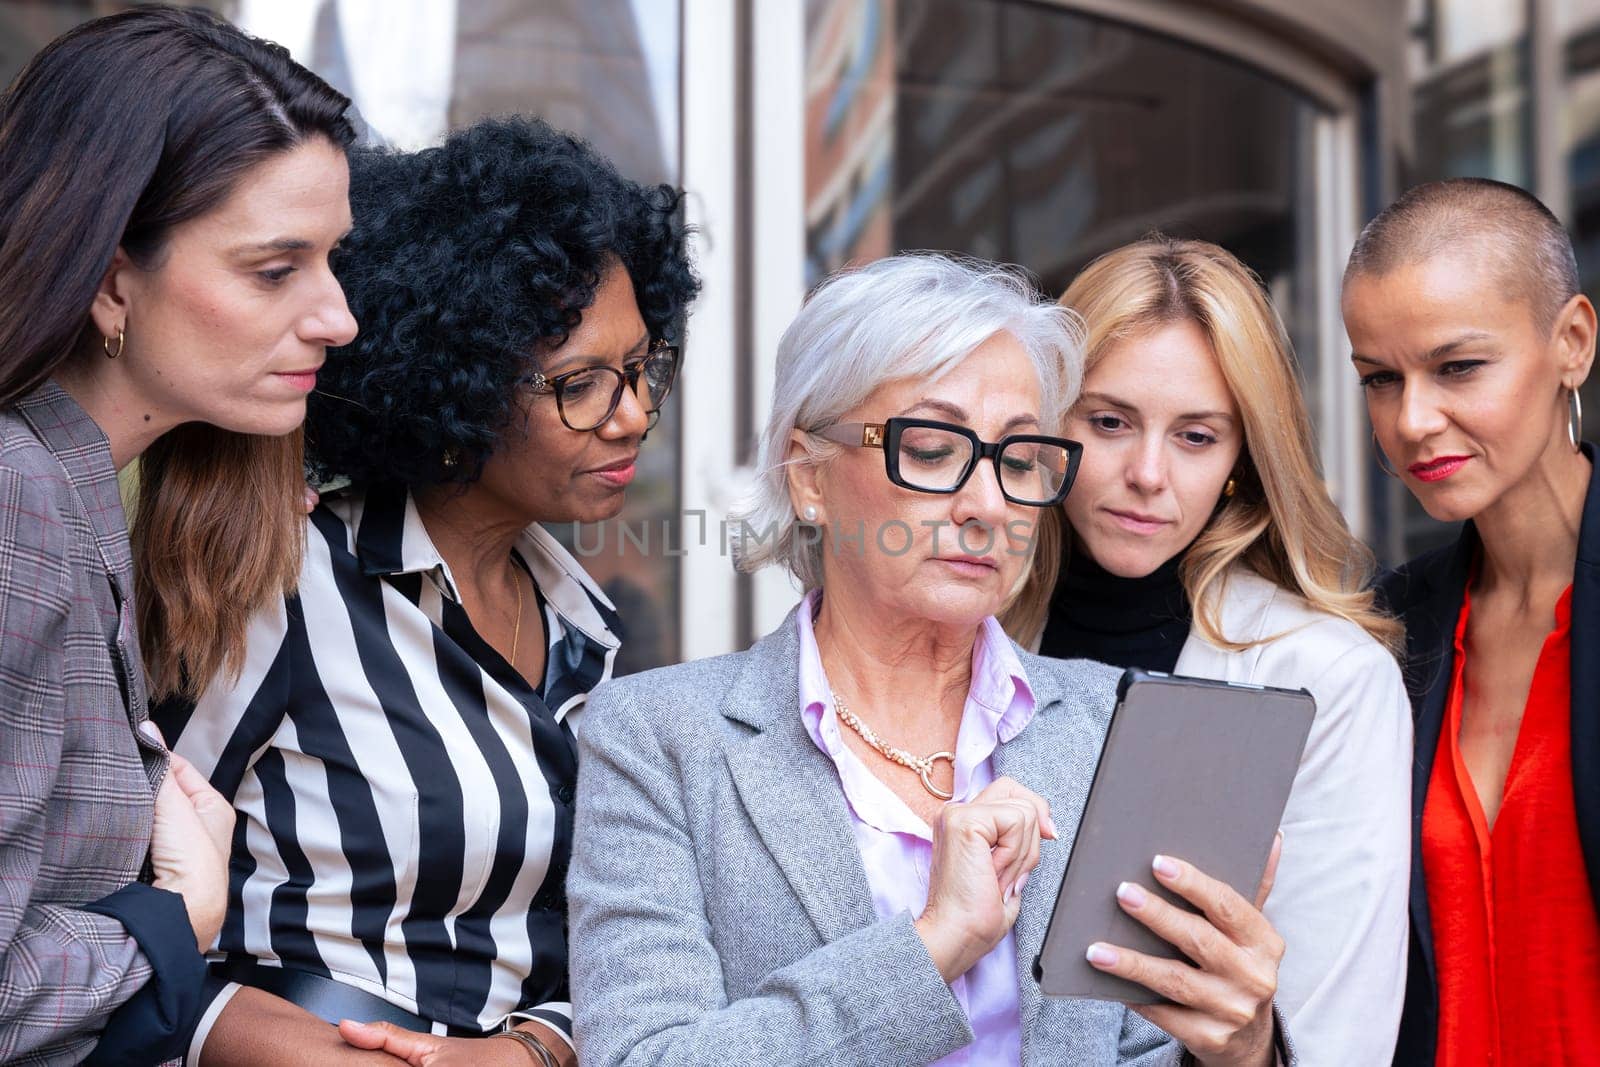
1034	470
587	398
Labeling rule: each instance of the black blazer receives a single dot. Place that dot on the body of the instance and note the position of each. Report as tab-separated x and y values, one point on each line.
1426	593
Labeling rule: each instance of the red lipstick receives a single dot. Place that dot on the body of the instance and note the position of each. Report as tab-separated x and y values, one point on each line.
1437	470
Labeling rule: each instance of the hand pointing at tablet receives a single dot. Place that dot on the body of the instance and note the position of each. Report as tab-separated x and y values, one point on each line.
982	853
1222	1003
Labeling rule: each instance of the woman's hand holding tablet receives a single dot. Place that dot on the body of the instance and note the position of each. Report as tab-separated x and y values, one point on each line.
1201	770
1221	1006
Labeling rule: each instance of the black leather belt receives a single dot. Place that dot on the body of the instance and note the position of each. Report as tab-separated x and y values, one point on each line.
326	998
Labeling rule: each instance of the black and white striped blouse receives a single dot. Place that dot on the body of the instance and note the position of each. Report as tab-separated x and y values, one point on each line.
404	796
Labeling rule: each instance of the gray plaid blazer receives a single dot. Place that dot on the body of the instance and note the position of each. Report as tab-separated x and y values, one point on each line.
76	782
719	908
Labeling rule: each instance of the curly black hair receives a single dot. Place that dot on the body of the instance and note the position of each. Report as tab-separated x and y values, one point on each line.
466	261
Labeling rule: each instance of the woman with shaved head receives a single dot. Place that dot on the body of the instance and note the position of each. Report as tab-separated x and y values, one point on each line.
1471	338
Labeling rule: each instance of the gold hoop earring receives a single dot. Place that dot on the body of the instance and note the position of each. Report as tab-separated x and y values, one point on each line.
1383	460
122	341
1575	420
1229	488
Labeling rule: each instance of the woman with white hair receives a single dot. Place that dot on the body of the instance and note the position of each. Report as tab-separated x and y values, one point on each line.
819	850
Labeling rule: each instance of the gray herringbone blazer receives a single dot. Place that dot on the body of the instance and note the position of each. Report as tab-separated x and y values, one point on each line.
719	908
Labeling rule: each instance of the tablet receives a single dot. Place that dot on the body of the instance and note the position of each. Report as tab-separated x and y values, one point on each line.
1191	768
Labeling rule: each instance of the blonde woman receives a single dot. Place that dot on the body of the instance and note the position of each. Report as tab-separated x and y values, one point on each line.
1198	538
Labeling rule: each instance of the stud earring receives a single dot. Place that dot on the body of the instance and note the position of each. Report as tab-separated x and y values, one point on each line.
1229	488
810	513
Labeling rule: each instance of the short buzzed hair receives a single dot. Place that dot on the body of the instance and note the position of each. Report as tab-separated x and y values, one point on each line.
1535	261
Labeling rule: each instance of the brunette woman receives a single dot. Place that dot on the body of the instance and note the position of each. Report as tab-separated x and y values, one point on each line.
1472	339
171	193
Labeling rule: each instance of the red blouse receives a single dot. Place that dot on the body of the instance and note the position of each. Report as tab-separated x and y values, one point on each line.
1516	939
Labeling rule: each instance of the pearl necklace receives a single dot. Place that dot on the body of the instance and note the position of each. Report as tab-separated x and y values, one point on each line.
923	765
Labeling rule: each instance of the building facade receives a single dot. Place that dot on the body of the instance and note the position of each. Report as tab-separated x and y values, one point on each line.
813	133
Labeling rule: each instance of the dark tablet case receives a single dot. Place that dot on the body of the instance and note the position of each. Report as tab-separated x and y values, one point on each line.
1191	768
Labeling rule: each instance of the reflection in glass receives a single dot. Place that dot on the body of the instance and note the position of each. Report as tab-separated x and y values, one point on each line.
1471	103
1045	138
849	132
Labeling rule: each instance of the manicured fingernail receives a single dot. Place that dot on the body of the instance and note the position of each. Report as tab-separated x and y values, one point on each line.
1022	883
1131	895
1050	825
1164	866
1011	891
1101	955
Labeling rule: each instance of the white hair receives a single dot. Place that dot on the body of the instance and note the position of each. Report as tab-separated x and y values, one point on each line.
915	315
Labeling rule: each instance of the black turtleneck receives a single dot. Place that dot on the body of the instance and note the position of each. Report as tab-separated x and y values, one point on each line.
1126	622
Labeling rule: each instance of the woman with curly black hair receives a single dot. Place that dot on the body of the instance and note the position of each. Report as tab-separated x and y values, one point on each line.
399	746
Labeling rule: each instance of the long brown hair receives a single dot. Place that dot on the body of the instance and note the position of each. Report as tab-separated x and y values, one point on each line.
217	531
115	133
1280	521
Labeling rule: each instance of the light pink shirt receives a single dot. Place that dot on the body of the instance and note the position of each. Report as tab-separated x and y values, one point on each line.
897	846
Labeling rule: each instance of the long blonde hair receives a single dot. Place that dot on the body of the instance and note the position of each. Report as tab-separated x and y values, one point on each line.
1280	521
